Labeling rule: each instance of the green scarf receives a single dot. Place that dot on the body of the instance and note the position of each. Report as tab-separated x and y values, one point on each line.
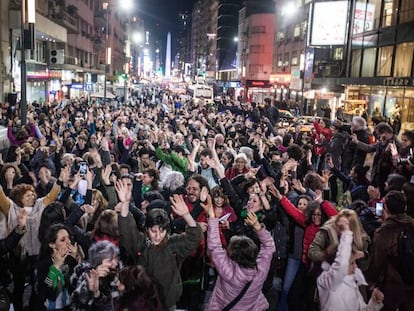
56	276
243	214
145	189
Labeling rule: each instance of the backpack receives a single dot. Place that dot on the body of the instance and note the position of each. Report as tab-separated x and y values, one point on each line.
406	255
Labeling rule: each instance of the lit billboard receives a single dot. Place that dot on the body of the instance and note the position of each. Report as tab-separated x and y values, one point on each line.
329	23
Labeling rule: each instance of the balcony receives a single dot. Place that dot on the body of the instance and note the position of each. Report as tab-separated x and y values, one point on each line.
71	23
100	18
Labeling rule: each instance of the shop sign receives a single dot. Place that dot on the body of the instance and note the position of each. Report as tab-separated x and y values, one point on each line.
398	81
280	78
78	86
258	83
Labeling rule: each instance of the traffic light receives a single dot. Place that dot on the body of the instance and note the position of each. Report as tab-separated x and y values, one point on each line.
57	57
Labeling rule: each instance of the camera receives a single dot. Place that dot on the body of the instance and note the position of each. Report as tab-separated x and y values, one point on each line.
406	161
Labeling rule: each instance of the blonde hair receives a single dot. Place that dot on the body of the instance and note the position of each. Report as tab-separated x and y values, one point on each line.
355	226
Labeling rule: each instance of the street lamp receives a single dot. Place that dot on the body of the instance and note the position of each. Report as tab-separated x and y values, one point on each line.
126	5
26	42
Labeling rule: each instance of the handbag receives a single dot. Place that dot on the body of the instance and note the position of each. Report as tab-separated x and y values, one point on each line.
237	299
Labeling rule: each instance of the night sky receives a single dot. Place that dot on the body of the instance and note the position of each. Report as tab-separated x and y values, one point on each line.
161	15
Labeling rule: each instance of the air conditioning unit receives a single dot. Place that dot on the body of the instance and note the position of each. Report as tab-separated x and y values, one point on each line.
57	57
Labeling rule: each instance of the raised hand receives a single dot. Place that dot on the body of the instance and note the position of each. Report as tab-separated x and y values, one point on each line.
73	250
93	281
203	194
178	205
196	143
252	220
65	174
124	194
208	207
105	174
211	142
59	256
274	191
297	185
318	196
326	175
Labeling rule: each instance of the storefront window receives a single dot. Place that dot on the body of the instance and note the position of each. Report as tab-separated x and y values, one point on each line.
356	63
404	59
384	61
377	11
407	111
368	65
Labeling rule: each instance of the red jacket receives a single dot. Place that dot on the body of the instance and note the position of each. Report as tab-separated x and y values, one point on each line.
300	218
317	140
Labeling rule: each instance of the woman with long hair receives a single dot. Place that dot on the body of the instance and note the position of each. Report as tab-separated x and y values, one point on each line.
58	257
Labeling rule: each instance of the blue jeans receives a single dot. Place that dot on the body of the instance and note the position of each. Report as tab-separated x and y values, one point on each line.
292	268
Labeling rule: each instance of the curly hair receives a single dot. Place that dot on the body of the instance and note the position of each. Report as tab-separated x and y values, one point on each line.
19	191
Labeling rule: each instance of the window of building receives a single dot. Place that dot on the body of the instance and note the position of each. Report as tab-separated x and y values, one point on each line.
389	13
376	4
356	63
404	59
384	61
280	36
257	48
279	60
286	59
296	31
39	52
368	65
338	53
295	59
255	68
258	29
407	11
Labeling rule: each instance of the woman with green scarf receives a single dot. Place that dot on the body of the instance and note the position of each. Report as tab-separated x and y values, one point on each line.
58	258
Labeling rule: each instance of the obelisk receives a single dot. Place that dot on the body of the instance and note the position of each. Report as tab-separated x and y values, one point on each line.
168	57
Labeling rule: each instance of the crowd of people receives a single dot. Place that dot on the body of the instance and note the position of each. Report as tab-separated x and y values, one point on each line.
158	204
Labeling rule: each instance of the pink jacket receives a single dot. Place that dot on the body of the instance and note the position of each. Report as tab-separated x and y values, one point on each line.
232	278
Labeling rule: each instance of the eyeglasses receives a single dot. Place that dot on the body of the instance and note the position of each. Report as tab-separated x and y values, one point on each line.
194	189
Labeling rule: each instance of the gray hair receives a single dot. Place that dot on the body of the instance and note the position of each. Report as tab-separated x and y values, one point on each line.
247	151
173	180
360	123
102	250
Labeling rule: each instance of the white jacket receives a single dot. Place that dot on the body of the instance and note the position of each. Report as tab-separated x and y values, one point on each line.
338	290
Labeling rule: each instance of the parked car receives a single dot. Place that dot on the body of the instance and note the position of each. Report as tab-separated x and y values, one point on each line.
286	116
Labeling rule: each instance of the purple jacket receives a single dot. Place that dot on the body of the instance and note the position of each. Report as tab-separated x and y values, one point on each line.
232	278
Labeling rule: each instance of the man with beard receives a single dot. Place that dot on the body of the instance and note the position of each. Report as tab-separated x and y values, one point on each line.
193	267
382	165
